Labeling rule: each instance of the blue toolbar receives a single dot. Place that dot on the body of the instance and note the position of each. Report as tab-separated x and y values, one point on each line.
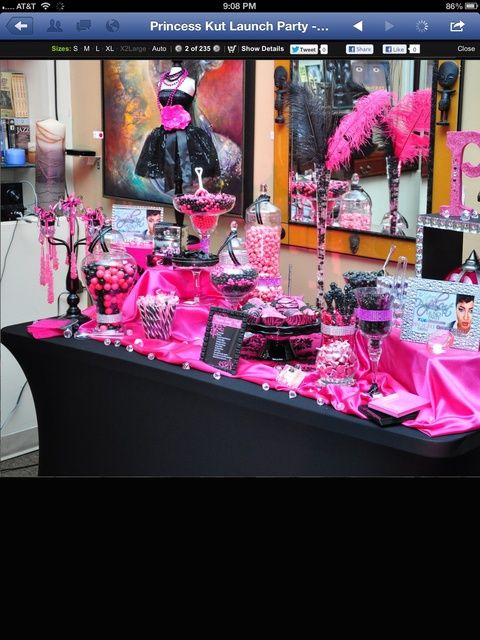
241	26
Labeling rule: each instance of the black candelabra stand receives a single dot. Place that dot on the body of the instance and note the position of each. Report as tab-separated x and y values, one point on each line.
72	284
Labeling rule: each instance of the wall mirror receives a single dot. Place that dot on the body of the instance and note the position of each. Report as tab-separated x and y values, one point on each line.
337	82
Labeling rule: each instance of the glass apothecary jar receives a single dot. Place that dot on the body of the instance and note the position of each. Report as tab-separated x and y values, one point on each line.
355	207
109	274
263	228
233	277
336	360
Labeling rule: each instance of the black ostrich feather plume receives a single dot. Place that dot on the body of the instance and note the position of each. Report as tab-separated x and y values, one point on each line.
311	123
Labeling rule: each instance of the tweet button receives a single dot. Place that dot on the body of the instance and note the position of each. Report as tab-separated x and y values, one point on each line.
303	49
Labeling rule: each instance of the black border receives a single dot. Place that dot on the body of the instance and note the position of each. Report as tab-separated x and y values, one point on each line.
240	315
248	139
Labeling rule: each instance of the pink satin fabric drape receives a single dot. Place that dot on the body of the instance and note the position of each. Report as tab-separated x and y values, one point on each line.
450	381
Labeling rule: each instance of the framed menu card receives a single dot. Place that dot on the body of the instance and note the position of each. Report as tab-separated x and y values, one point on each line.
223	339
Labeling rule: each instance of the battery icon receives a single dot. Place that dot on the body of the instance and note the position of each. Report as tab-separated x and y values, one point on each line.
471	6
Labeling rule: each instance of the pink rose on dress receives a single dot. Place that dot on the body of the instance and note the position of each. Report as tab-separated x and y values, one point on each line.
175	117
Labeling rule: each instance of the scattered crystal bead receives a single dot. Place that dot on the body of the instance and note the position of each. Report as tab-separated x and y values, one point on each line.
67	333
117	343
265	386
292	394
138	342
320	402
129	348
107	342
186	366
151	356
440	341
129	332
217	375
340	406
465	215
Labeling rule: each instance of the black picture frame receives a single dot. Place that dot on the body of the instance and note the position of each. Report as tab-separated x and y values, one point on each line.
128	115
223	339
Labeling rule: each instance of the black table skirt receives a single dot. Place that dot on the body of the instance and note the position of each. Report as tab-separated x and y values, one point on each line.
105	412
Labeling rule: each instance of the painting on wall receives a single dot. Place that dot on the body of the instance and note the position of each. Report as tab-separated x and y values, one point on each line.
222	107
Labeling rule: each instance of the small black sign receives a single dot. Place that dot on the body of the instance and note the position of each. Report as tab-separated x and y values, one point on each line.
223	339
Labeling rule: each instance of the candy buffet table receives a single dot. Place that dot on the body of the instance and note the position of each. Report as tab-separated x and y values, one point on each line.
103	411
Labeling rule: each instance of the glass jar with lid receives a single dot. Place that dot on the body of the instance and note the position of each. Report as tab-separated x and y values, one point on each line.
233	277
109	275
263	228
355	207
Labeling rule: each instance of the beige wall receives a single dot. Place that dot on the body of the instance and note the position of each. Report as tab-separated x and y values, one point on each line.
87	117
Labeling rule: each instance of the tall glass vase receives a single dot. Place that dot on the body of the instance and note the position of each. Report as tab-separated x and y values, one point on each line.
393	222
322	178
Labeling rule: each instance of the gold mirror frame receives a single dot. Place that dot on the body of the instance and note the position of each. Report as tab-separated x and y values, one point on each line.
363	243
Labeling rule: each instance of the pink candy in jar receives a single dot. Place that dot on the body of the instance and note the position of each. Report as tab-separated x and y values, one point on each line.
355	207
109	276
262	238
336	363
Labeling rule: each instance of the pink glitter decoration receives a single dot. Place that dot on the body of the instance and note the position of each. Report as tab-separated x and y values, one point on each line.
456	142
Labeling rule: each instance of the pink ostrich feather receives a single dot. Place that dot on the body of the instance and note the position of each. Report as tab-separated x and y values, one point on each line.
408	125
356	127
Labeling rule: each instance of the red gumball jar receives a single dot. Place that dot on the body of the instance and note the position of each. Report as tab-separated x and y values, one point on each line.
468	273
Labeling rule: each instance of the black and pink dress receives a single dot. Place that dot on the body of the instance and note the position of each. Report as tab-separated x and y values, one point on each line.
170	156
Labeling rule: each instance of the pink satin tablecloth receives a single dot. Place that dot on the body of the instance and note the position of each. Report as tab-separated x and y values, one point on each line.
450	381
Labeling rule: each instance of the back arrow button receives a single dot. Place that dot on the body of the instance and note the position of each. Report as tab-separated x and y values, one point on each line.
20	26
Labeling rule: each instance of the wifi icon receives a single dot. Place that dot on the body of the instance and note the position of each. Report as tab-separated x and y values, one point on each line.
45	5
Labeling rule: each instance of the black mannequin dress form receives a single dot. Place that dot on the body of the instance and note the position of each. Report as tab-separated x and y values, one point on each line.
169	157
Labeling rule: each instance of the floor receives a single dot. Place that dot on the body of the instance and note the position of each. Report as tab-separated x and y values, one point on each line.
25	466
